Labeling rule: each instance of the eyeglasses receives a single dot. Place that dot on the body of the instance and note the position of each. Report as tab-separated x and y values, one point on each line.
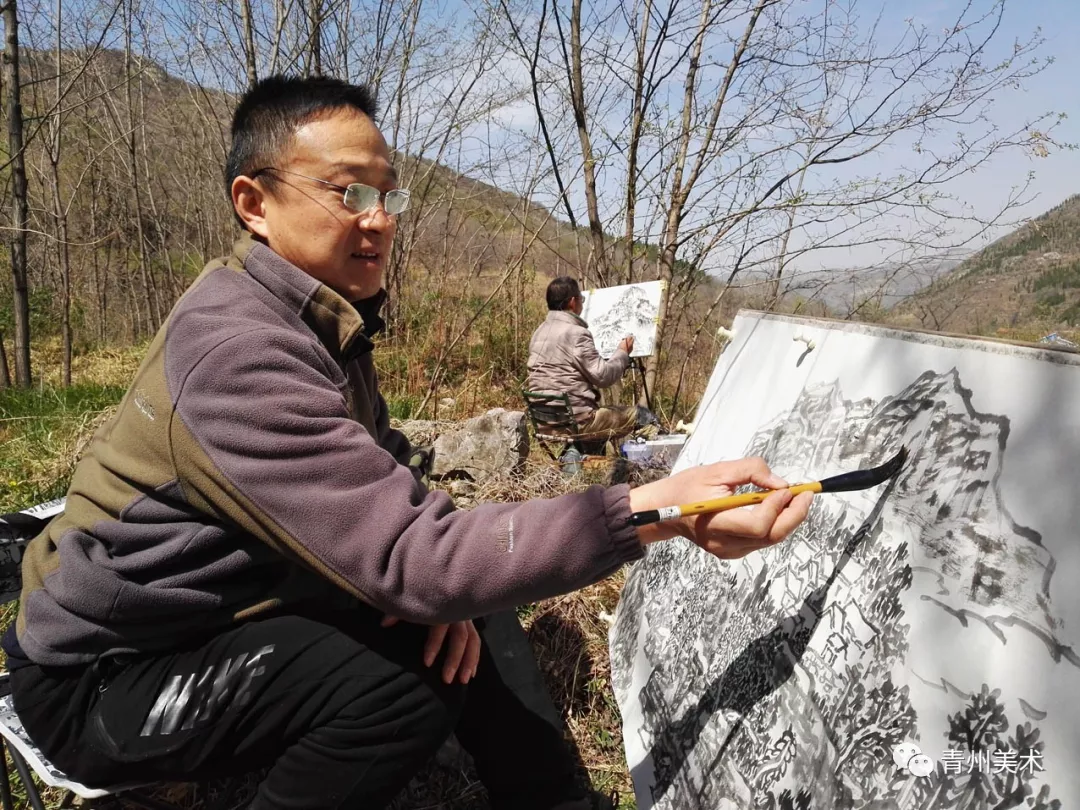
359	197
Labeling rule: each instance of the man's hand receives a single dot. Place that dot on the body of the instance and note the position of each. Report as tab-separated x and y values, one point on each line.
462	650
730	534
627	344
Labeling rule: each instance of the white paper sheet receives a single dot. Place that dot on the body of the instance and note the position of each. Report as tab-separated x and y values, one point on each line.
941	613
630	309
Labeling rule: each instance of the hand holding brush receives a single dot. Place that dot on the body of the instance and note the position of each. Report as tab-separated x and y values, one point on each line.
728	534
848	482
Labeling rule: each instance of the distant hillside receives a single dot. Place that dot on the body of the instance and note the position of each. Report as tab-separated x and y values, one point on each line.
845	290
1026	282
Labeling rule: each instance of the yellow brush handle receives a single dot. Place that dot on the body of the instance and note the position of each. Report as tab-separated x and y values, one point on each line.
746	499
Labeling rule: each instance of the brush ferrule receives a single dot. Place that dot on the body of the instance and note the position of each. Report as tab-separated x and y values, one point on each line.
655	515
645	518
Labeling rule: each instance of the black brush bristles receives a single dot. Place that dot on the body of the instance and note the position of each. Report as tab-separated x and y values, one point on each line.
864	479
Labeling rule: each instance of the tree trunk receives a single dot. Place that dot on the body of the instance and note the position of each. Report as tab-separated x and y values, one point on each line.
781	260
153	305
249	42
5	375
598	255
314	60
637	119
279	32
59	212
408	49
19	213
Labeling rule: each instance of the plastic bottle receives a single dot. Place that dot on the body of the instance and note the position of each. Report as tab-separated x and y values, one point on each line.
571	461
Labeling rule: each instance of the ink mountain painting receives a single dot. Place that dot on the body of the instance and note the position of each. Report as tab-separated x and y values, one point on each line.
933	615
613	313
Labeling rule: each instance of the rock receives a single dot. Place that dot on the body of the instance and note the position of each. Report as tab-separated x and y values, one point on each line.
496	442
419	432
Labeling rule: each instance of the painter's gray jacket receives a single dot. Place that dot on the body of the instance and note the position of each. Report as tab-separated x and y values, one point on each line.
563	360
251	465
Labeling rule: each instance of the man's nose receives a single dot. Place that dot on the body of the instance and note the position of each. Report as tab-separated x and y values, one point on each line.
375	219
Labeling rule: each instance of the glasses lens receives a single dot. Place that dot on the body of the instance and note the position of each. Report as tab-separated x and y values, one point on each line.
396	201
361	198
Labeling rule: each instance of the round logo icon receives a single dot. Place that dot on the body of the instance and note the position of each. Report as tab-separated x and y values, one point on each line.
908	757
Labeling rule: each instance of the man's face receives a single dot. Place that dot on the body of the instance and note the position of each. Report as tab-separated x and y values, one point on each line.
307	222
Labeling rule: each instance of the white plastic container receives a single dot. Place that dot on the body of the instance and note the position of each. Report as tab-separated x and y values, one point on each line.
666	448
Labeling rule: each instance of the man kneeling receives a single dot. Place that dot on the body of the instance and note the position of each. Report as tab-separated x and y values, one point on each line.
249	575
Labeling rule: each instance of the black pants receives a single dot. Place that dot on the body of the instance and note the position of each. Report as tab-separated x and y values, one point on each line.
343	710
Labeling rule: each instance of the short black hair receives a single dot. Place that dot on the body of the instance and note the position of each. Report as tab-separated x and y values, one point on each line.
269	114
561	292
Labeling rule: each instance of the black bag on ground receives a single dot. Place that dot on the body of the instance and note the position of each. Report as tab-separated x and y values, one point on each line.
16	530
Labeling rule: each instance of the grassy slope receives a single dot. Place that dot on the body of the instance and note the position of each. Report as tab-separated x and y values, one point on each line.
1022	286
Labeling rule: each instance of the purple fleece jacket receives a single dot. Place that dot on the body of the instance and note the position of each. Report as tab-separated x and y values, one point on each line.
251	464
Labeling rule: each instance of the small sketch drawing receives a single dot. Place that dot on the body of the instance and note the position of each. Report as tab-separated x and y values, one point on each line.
615	312
781	680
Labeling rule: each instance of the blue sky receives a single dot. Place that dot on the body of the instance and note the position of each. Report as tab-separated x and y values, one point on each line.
1057	88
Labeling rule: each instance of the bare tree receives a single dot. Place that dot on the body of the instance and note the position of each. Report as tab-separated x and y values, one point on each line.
59	212
780	105
19	213
250	57
572	61
313	60
683	181
5	374
153	302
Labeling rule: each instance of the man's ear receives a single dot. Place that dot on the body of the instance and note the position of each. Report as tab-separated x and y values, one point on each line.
249	201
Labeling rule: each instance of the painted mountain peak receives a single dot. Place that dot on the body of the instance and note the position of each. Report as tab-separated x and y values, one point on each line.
948	496
783	679
633	312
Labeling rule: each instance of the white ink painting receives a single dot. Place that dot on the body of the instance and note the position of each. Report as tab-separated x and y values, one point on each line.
630	309
915	646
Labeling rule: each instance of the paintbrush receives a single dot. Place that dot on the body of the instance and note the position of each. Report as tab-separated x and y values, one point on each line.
848	482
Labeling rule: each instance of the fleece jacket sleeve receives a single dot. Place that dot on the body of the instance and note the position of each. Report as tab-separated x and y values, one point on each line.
264	436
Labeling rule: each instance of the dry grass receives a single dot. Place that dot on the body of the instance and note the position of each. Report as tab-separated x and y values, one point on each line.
569	638
110	365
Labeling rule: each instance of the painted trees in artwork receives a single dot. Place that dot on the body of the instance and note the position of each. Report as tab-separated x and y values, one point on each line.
797	801
886	718
989	768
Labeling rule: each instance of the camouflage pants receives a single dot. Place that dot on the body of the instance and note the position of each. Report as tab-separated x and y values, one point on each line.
611	423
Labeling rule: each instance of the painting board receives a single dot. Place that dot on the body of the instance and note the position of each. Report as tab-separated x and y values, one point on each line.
629	309
938	614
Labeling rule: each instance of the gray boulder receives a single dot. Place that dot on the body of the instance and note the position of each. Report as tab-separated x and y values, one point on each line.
420	432
494	443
